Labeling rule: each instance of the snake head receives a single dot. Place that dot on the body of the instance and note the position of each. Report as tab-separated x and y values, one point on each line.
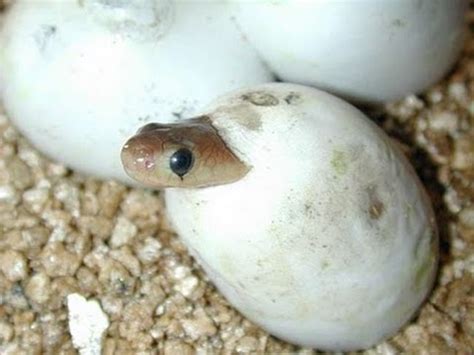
187	154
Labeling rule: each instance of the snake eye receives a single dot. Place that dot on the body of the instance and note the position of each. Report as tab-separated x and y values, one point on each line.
181	162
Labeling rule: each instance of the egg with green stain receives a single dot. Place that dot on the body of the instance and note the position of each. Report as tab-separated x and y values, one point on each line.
303	213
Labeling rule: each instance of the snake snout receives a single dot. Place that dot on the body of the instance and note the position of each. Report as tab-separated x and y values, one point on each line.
139	156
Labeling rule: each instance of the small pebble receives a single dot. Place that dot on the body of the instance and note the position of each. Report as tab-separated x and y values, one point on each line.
9	195
175	347
199	326
149	251
124	231
466	217
38	288
20	174
246	345
6	332
13	265
187	286
35	199
57	261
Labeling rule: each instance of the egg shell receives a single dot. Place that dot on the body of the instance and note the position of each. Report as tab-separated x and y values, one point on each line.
368	51
330	240
77	80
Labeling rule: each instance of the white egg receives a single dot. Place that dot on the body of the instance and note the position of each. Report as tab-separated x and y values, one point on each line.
329	241
368	51
77	77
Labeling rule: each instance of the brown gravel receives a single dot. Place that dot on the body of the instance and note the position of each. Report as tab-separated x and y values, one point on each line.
62	233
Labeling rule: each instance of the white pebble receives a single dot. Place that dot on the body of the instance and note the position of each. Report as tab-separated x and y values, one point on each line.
149	252
8	194
187	286
87	323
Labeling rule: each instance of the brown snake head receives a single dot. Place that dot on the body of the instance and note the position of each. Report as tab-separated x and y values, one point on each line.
186	154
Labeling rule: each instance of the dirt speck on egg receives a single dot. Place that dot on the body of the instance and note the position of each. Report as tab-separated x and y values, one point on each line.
259	98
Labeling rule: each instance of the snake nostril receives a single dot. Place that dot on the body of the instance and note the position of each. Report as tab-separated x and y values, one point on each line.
138	156
144	161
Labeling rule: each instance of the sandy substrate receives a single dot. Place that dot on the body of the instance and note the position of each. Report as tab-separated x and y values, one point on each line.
61	233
